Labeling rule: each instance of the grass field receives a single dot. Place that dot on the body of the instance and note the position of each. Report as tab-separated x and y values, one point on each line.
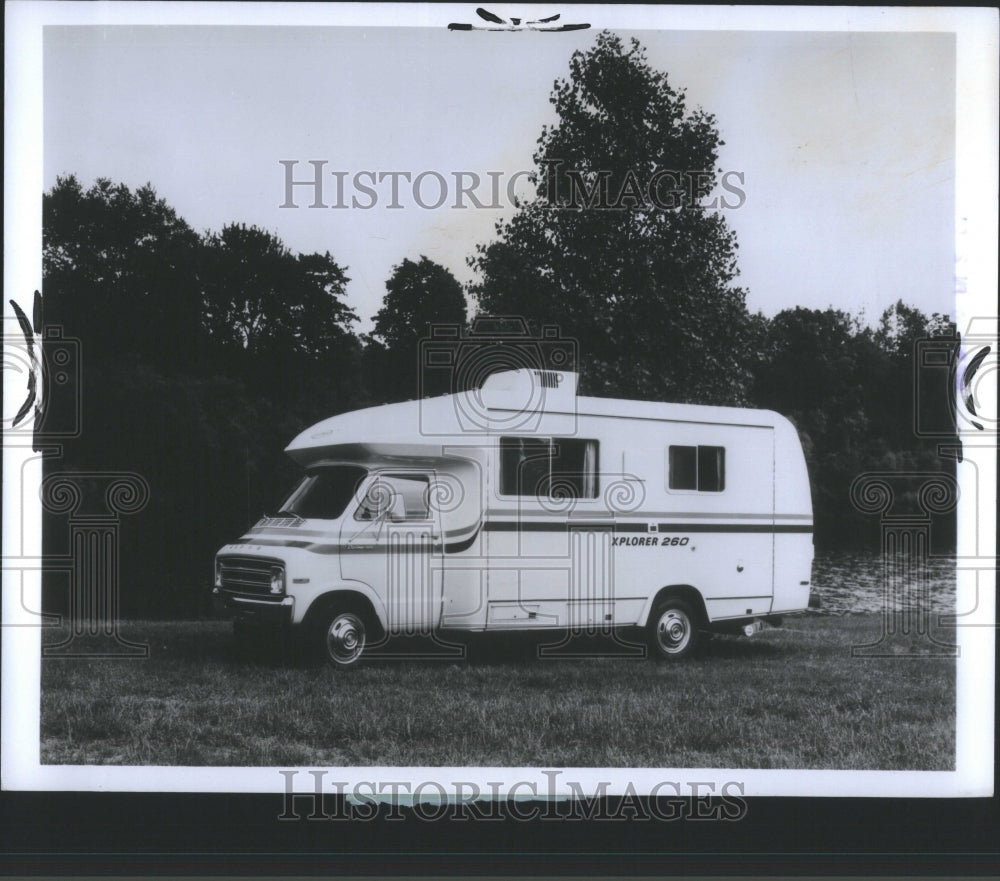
789	697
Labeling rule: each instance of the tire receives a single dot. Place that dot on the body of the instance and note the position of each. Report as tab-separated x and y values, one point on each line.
673	630
343	638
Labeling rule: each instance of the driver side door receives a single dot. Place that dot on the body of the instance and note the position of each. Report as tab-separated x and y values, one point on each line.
391	542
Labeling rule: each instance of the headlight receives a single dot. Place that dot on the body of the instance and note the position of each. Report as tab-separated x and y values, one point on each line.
277	580
218	573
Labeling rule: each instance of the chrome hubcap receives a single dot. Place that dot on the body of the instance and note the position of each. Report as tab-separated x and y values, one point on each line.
673	631
345	640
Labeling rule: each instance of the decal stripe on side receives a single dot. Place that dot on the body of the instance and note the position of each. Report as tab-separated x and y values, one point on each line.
540	526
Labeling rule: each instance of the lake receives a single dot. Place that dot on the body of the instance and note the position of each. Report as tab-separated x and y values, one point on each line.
860	582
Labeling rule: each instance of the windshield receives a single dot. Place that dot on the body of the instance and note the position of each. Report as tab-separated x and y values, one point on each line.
323	493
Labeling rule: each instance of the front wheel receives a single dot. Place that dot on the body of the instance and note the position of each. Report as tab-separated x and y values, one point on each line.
673	630
343	639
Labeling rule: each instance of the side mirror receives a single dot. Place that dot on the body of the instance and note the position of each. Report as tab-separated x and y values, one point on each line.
397	511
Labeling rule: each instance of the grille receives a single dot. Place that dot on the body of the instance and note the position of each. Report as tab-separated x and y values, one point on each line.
248	575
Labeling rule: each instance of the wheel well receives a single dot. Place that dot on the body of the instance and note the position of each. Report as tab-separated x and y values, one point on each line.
684	592
347	600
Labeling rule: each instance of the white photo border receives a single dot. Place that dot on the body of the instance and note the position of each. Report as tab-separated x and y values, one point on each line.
977	234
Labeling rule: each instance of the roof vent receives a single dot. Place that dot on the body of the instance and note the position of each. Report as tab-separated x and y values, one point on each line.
530	381
525	401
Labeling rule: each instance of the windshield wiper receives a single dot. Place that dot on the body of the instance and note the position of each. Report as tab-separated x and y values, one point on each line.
284	512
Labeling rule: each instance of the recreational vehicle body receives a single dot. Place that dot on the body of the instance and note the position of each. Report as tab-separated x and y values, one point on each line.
523	506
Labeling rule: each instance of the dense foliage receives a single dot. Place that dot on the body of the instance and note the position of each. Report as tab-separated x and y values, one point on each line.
201	357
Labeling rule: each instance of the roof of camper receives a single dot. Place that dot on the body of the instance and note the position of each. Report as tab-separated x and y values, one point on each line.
525	402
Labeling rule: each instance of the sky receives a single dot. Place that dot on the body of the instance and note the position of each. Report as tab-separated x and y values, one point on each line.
844	142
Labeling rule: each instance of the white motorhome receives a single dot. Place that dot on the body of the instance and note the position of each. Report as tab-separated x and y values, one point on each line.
522	506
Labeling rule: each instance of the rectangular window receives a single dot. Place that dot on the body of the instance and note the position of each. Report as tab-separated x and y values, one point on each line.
396	497
711	469
683	467
553	467
696	468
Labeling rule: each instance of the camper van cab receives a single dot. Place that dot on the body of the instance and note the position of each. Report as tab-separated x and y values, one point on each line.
522	506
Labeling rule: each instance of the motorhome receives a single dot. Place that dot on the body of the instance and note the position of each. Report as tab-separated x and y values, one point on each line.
521	505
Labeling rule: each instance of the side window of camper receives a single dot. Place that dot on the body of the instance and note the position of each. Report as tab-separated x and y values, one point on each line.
397	497
702	469
553	467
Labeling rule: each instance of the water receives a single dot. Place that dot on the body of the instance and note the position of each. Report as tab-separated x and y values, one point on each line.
853	582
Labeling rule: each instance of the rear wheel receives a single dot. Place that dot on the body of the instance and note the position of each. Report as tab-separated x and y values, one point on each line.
673	630
343	638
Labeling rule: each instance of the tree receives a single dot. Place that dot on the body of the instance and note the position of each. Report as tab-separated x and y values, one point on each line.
850	392
419	296
120	272
200	357
277	319
261	298
615	248
900	327
901	331
815	363
814	368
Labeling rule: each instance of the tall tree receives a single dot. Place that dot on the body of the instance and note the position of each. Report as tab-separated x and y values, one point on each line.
419	296
616	248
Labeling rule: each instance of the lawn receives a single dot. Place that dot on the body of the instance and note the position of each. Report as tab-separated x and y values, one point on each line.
789	697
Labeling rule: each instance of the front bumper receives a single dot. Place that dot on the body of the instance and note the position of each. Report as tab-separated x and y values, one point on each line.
264	611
